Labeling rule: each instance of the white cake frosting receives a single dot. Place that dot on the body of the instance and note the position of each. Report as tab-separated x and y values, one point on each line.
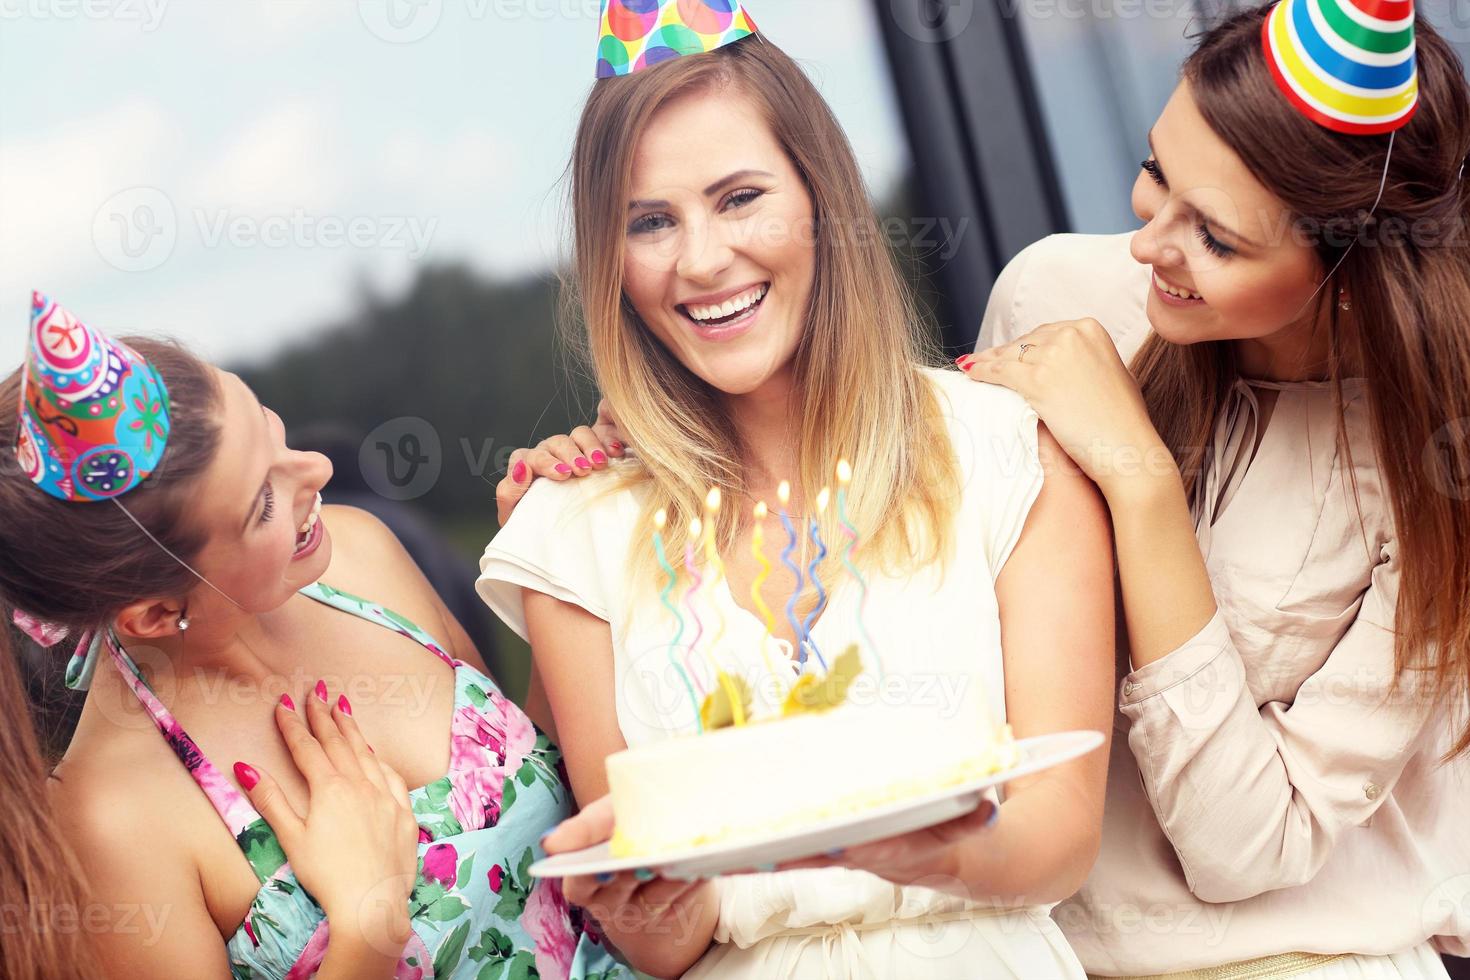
782	773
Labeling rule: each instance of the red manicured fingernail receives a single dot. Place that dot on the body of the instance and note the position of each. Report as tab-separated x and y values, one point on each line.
248	777
599	457
616	447
563	468
964	361
519	473
343	704
321	691
286	700
582	462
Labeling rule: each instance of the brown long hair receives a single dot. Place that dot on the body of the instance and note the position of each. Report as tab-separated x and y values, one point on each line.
1409	279
860	392
78	565
39	876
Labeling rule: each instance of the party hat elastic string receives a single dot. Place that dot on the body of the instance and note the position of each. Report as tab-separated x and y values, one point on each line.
1382	183
168	551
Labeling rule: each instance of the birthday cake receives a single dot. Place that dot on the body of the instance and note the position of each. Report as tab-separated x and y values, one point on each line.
823	757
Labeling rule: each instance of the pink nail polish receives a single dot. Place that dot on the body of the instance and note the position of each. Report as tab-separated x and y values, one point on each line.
321	691
563	468
519	473
343	705
248	777
616	447
599	457
286	700
582	462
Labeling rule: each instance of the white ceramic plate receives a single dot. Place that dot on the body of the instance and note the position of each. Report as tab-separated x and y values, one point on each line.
1035	754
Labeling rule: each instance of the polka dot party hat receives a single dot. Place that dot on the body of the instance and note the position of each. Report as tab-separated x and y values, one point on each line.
637	34
1347	65
94	415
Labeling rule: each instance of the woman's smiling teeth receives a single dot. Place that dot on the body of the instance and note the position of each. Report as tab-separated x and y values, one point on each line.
1174	290
311	518
728	311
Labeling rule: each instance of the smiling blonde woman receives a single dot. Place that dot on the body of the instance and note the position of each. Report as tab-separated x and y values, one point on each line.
749	332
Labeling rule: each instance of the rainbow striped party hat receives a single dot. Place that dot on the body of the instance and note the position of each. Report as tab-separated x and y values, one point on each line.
1347	65
637	34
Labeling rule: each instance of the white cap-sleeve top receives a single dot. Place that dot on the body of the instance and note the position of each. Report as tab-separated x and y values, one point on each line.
938	634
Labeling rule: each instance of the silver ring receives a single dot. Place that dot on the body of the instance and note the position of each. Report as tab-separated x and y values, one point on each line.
1024	348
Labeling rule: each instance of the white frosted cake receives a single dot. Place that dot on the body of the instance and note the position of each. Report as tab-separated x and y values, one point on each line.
783	773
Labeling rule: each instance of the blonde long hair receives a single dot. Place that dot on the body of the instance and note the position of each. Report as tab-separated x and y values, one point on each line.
1410	297
860	392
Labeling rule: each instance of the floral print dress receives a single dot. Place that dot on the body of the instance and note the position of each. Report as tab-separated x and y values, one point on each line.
476	912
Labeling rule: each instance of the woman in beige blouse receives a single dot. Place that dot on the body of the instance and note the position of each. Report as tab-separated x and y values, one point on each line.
1287	474
1288	470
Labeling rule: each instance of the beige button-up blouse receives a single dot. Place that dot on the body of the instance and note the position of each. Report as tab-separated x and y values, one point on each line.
1264	796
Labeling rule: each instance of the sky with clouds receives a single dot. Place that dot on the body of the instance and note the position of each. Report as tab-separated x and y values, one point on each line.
232	172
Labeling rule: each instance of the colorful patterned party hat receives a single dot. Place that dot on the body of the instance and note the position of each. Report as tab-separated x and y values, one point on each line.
1347	65
637	34
94	415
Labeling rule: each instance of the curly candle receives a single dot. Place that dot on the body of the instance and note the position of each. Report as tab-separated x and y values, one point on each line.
659	520
783	493
717	575
844	477
695	581
806	627
758	549
714	566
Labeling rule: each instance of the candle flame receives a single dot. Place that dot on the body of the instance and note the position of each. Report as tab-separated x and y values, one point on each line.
761	511
844	472
660	519
695	527
822	499
783	492
712	502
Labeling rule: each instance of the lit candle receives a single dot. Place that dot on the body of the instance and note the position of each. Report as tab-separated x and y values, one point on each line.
715	567
717	576
695	580
659	520
822	498
844	477
783	493
758	549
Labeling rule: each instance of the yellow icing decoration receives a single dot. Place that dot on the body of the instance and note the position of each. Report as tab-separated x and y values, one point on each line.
720	708
810	693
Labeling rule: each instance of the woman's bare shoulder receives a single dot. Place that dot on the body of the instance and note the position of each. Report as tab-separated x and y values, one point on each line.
370	562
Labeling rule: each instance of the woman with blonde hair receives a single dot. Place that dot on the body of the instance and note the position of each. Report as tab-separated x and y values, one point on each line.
1270	383
751	329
